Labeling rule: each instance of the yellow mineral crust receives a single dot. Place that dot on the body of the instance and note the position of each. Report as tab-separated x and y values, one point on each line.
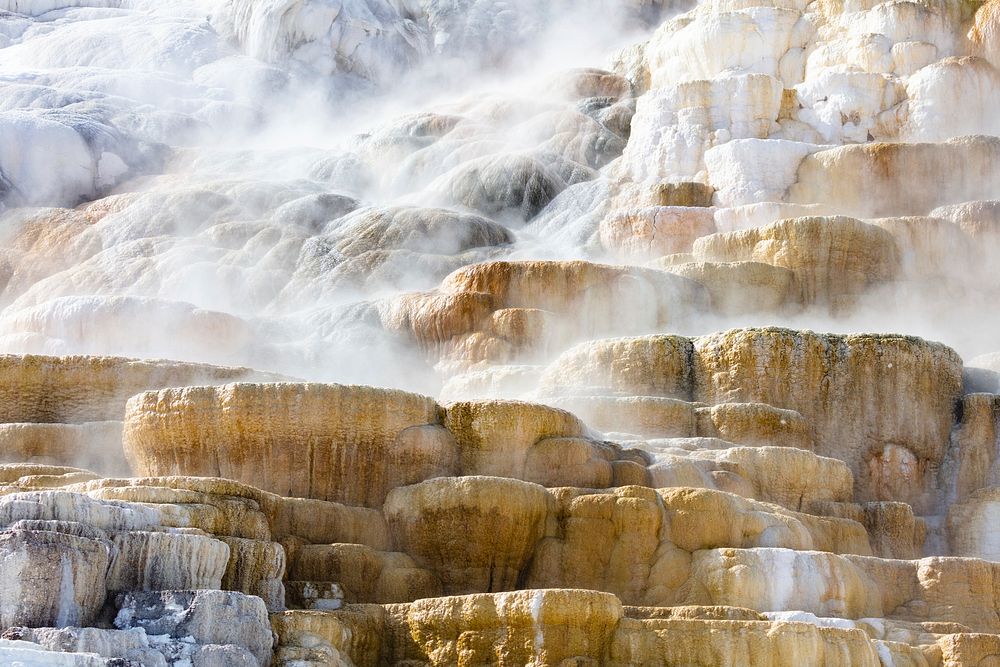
584	287
739	287
495	311
540	627
353	445
329	442
884	404
985	31
92	445
647	233
645	366
755	425
232	508
494	436
570	626
832	259
433	522
35	388
884	179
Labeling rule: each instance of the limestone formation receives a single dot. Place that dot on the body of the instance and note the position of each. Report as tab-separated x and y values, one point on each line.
94	445
886	447
742	286
360	443
432	520
507	185
851	176
576	333
316	441
831	259
92	389
52	577
551	627
365	574
766	368
654	232
494	437
647	366
213	621
492	312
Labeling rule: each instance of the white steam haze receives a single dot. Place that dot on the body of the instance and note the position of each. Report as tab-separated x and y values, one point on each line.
255	182
367	323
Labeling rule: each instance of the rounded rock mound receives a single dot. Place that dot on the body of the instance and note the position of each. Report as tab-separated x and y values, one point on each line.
328	442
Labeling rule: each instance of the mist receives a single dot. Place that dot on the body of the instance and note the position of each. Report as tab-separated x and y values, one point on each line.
604	332
285	185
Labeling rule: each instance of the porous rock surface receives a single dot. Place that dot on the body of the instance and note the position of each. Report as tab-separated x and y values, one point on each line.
365	333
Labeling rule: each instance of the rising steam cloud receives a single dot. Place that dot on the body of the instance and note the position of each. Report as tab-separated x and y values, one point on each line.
665	331
269	183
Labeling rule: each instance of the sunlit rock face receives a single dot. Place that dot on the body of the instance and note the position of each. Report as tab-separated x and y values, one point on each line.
832	259
226	431
478	332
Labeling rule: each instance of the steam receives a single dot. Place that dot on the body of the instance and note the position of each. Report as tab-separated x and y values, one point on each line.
256	182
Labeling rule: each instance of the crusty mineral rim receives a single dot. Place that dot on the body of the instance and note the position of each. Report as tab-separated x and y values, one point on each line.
330	442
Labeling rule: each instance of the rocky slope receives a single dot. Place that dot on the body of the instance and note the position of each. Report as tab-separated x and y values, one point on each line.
374	333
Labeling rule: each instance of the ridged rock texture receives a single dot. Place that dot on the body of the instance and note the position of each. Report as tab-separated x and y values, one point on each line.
576	333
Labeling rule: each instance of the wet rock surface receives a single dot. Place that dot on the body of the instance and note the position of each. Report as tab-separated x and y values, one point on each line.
407	333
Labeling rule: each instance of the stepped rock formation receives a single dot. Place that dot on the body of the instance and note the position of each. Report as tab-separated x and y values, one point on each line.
406	333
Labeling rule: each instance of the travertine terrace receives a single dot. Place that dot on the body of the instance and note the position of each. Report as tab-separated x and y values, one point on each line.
411	333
